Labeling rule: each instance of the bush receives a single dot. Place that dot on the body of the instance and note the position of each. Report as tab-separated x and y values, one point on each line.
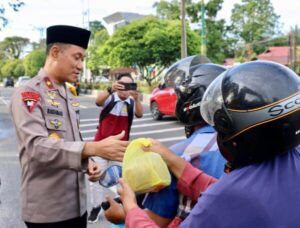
142	86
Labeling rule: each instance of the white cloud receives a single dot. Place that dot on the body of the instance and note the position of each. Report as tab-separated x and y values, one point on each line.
37	14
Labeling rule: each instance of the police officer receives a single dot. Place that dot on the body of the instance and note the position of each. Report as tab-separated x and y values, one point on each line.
52	155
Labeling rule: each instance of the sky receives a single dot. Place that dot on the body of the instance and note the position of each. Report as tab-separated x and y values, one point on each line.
33	18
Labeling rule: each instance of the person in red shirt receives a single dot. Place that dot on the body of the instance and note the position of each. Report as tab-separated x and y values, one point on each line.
119	105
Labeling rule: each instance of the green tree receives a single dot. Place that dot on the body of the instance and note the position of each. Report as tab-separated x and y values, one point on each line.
253	21
34	61
148	44
95	26
95	61
168	10
8	5
19	69
2	64
10	66
216	31
12	47
217	43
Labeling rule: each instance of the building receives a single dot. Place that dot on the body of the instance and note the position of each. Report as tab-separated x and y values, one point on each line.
119	19
279	54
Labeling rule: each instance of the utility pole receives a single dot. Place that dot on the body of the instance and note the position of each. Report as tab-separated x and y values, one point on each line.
296	51
86	24
293	49
183	31
203	29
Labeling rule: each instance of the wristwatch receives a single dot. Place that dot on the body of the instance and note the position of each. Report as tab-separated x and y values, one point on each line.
109	90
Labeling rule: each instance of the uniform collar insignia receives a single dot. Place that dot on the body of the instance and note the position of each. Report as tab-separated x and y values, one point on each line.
48	83
30	99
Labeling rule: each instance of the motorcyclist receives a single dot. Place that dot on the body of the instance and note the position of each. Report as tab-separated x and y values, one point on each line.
255	110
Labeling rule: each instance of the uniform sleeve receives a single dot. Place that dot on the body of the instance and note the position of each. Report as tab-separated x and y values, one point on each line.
194	181
34	140
137	218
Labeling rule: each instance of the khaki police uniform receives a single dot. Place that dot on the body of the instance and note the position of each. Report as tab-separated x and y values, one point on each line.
46	118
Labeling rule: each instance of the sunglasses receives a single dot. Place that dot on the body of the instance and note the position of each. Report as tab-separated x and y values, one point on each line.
110	176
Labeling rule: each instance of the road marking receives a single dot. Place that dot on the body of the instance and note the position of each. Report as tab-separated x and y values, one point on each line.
138	133
143	132
134	126
156	131
4	101
161	140
9	155
82	106
134	120
153	124
172	139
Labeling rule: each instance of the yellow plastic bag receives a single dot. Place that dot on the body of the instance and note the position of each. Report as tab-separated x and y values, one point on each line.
144	171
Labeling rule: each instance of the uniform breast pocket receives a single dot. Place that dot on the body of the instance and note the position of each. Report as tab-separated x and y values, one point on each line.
56	125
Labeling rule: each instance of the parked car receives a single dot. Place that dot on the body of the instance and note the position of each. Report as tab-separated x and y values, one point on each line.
9	82
163	99
99	79
22	80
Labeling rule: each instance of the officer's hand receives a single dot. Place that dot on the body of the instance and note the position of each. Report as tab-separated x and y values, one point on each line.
115	213
112	148
127	196
94	171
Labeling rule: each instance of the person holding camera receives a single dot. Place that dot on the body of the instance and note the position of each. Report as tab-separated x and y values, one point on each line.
118	103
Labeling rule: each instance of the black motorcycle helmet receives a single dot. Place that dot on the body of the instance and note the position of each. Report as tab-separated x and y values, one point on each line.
255	110
190	93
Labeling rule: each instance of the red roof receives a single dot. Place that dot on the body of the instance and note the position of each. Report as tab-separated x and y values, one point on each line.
229	62
276	54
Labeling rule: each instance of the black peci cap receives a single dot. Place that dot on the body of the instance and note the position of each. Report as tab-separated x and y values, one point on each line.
68	34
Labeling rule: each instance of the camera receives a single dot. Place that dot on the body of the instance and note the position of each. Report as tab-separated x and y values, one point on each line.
129	86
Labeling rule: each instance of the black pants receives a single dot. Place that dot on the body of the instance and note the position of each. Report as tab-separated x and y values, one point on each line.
79	222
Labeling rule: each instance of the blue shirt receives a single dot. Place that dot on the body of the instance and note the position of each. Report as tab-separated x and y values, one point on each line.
261	195
165	202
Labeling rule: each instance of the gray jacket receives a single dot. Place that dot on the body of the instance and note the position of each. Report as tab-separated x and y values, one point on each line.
46	118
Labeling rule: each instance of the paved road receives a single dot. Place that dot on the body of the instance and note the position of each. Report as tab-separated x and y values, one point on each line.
169	131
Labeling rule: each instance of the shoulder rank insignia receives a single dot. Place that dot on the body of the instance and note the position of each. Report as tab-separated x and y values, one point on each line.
48	83
56	123
30	99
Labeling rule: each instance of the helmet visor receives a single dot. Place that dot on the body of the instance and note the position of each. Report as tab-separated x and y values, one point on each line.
212	100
